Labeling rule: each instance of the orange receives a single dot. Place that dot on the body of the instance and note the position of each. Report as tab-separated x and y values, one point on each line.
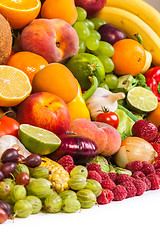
63	9
129	57
56	78
19	13
154	116
30	63
14	86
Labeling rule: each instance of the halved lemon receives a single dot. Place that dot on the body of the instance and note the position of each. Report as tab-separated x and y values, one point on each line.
14	86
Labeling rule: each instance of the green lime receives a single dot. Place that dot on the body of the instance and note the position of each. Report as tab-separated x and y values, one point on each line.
141	100
38	140
85	65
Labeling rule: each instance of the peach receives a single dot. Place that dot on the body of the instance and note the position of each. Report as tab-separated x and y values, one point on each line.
106	137
45	110
54	39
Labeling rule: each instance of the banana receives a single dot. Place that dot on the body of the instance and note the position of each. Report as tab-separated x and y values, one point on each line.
141	9
131	24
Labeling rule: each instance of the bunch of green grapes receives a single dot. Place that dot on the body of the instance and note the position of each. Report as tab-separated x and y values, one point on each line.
90	41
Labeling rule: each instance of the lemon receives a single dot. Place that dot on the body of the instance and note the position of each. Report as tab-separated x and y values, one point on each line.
14	86
141	100
38	140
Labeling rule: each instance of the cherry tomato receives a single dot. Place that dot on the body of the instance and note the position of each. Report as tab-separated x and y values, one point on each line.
110	118
8	126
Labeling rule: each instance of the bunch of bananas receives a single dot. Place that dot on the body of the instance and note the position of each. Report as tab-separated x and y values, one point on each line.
132	17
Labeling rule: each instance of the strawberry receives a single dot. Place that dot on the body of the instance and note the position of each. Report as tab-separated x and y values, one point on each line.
144	129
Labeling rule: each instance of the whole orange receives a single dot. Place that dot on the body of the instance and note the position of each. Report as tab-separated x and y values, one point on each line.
56	78
30	63
154	116
129	57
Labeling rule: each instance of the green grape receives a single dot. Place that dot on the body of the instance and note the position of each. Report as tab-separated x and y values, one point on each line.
82	46
86	198
107	63
92	43
104	85
94	186
77	182
79	170
97	22
82	14
105	48
96	34
111	80
70	205
89	24
81	29
68	194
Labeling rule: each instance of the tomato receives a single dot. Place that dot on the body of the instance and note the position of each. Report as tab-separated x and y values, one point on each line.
8	126
110	118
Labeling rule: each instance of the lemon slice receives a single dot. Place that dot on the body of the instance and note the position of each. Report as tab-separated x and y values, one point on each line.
14	86
38	140
141	100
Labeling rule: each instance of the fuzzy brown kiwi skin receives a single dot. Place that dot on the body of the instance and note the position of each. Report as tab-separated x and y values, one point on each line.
5	39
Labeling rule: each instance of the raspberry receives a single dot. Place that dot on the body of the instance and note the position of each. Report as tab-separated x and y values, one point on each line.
69	168
158	172
157	139
140	186
154	179
108	184
157	164
147	182
148	169
92	174
102	198
104	175
66	160
138	175
134	166
105	197
122	178
113	176
94	167
131	189
119	192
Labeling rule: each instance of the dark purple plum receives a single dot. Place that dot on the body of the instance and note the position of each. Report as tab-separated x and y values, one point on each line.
82	149
8	168
10	155
109	33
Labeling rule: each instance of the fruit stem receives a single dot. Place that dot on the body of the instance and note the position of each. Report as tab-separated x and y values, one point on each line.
139	38
5	113
92	89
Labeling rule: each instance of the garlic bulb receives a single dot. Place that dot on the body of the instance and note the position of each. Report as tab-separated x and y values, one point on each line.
103	98
9	141
134	149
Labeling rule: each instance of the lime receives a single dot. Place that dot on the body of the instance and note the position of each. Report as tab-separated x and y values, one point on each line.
38	140
141	100
86	65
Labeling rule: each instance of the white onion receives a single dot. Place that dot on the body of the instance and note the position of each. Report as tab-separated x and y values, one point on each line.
133	149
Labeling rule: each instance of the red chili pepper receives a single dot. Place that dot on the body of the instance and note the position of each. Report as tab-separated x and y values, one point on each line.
153	80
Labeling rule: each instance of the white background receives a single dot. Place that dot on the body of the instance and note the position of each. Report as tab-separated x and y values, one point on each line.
134	218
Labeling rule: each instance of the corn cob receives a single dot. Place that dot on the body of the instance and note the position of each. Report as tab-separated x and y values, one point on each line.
58	176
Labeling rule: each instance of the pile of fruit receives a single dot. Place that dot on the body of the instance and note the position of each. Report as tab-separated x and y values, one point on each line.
79	104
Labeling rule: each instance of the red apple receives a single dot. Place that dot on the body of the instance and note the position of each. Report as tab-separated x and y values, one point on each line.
45	110
92	7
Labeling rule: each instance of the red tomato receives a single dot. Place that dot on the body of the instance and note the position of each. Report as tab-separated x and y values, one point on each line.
110	118
8	126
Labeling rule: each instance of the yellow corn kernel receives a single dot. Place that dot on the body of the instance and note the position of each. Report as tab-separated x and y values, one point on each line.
59	177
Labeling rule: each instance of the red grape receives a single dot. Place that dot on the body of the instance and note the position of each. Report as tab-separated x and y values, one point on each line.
22	178
3	215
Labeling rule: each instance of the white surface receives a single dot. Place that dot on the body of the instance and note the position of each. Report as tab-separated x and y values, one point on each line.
134	218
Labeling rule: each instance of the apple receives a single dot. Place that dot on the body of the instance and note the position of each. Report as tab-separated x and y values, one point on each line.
54	39
45	110
92	7
106	137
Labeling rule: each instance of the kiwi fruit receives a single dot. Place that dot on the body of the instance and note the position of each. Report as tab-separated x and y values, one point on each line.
5	39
